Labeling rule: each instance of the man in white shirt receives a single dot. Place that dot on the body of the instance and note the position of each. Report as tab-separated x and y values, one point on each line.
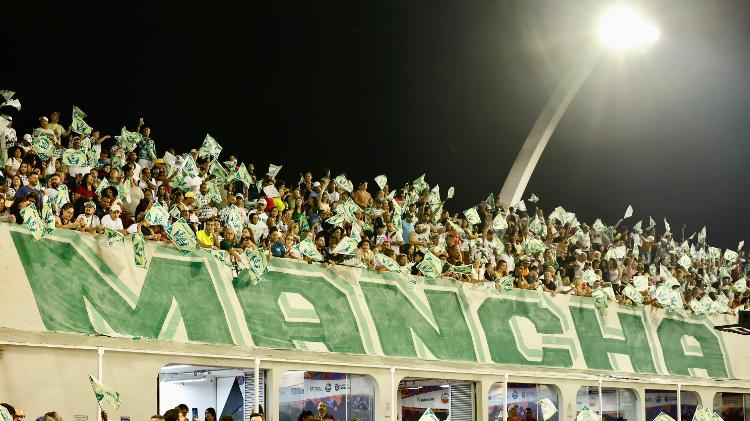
259	229
88	221
112	219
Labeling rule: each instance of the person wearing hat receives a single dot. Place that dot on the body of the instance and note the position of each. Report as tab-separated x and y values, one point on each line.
112	219
44	128
88	221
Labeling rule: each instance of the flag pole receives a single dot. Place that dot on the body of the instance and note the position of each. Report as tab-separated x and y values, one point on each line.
100	373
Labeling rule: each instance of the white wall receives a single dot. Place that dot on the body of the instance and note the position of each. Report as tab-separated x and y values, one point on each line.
199	395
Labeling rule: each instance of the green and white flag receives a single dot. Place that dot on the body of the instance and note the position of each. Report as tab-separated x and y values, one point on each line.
210	147
114	236
589	276
586	414
521	206
419	184
506	283
598	226
14	103
78	113
5	415
381	181
33	221
183	237
104	393
354	262
600	298
685	261
434	197
538	227
666	225
48	218
43	146
221	256
179	182
139	250
79	126
258	262
730	255
217	170
102	185
429	416
174	212
243	176
345	184
463	269
347	246
129	140
640	282
7	94
431	266
389	263
651	223
190	167
499	223
740	286
740	245
74	157
547	407
637	227
230	165
702	235
533	198
697	308
472	216
338	219
631	292
534	246
663	417
451	192
273	170
158	215
307	248
628	212
490	202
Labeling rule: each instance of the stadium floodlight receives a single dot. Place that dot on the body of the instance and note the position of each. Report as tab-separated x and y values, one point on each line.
621	29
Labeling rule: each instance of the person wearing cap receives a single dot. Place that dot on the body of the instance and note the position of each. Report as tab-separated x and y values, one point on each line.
44	128
88	221
112	219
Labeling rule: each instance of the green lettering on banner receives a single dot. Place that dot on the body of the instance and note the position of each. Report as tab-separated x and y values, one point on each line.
61	278
671	333
395	318
596	348
495	316
336	326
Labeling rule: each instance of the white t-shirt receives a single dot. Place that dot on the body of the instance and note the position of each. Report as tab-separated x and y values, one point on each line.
14	164
107	222
91	221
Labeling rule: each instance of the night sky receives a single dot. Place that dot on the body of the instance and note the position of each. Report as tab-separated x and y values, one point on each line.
450	89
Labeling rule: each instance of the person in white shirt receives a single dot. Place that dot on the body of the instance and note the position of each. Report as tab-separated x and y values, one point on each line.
259	229
88	221
112	219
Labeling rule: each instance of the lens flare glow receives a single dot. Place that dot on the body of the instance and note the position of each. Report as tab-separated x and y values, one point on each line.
623	28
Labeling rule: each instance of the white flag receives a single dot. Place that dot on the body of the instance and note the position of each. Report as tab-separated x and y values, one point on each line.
739	247
547	407
451	192
381	181
628	212
273	170
666	225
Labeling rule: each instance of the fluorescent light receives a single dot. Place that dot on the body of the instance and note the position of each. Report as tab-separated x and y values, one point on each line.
202	379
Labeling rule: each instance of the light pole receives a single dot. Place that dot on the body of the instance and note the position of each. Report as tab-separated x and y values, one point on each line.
620	29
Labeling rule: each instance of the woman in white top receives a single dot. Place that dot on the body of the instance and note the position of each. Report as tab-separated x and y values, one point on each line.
13	162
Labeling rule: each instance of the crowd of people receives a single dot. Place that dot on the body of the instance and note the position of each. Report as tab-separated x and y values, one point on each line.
179	413
77	178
